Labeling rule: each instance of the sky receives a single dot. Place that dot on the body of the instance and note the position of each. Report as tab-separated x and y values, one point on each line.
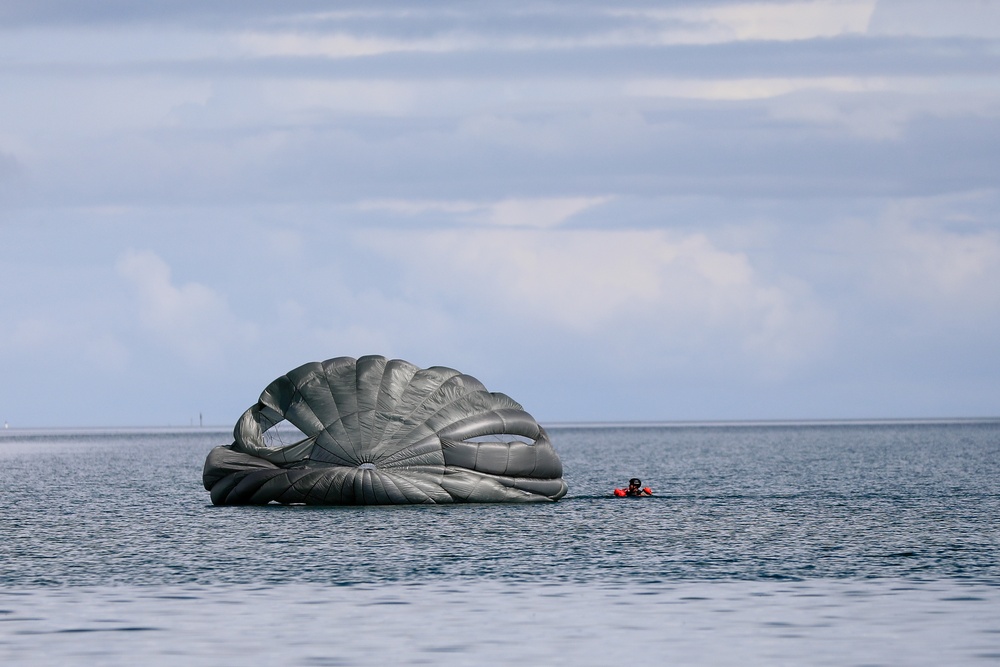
610	211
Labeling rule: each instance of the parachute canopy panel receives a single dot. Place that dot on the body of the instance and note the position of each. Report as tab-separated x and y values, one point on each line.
374	431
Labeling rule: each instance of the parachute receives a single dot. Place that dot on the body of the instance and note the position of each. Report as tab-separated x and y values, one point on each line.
378	432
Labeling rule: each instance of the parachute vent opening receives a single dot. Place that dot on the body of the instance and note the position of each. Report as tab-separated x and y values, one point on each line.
283	434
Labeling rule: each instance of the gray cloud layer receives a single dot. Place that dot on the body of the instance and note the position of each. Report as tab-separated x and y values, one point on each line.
664	210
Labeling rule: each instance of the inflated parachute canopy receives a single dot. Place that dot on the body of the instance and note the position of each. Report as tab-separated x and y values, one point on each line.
375	432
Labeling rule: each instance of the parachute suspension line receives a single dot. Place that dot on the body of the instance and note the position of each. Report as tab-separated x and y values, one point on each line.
276	436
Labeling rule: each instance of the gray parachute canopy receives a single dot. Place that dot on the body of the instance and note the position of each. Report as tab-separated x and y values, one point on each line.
384	432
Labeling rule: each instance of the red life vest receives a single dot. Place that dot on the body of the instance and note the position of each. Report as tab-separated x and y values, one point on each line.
621	493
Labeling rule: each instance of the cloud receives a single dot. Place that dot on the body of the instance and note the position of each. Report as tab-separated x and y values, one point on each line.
64	337
708	187
609	28
951	270
540	212
743	89
873	107
887	113
931	18
340	45
532	212
496	122
356	323
674	292
413	207
773	21
192	320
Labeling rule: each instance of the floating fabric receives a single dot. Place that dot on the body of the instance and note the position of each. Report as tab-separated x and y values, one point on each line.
373	431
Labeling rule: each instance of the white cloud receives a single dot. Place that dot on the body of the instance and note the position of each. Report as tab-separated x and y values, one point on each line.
793	21
947	269
783	21
192	319
870	107
421	206
679	291
540	212
513	212
779	21
760	88
342	45
921	269
315	334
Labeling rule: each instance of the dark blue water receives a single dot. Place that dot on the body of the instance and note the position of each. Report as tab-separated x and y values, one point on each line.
847	525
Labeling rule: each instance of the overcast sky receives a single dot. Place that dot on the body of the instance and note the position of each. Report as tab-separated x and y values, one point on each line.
610	211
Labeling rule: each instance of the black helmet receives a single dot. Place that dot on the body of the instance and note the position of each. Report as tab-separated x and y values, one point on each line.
635	481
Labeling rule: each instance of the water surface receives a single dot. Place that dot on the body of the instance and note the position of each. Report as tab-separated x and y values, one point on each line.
841	543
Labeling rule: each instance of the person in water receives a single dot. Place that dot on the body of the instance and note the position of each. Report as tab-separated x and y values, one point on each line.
635	488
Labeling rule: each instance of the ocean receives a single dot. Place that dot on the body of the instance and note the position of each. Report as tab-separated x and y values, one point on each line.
840	543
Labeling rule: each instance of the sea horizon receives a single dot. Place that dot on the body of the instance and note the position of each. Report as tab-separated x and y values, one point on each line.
641	423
